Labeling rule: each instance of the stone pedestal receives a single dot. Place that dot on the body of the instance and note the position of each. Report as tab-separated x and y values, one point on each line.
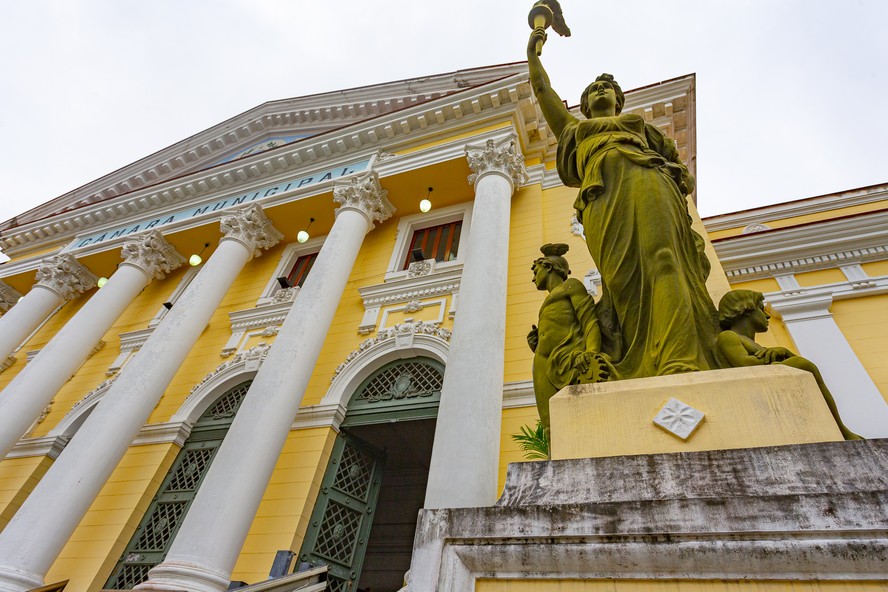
742	408
790	515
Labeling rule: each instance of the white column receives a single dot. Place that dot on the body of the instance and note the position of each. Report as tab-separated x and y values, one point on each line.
465	454
59	279
36	534
146	257
817	336
210	539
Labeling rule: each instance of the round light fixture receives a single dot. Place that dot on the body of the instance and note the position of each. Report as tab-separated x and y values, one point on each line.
196	258
425	204
303	235
102	281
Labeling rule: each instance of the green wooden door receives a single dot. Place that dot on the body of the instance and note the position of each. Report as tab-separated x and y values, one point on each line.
158	528
339	529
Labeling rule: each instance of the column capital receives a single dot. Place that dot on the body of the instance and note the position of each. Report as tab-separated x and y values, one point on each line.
500	157
65	276
8	296
364	194
152	254
252	228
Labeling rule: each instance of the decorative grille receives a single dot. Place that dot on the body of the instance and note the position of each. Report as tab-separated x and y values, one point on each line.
226	406
353	476
152	539
337	539
334	584
188	475
132	575
403	381
160	528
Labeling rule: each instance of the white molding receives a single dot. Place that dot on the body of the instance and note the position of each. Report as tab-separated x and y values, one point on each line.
821	245
319	416
288	258
339	146
408	225
78	413
415	306
48	445
801	207
175	432
189	275
518	394
9	361
814	298
401	342
242	367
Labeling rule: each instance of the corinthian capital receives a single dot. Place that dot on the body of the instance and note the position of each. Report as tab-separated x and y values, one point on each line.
64	275
152	254
8	296
499	157
251	227
364	194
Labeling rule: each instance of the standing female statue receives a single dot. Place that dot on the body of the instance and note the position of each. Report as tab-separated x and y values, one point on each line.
656	315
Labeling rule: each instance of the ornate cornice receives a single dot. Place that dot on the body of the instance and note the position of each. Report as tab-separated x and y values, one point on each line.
497	157
152	254
264	315
65	276
412	288
251	227
364	194
8	296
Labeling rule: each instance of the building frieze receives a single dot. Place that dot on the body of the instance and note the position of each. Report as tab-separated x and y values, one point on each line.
332	148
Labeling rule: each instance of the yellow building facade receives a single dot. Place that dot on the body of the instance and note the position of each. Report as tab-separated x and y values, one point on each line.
283	392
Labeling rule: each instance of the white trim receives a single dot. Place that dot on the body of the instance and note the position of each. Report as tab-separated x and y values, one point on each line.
189	275
408	225
48	445
78	413
319	416
361	363
415	306
175	432
291	253
518	394
227	375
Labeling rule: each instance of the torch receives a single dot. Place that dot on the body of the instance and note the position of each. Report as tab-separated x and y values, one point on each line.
546	13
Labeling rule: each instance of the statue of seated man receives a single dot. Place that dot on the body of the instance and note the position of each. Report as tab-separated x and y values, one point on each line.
567	343
741	314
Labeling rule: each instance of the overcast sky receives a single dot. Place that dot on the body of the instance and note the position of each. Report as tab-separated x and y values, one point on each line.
791	94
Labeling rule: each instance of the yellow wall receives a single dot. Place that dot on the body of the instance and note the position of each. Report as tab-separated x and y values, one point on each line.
674	586
18	476
283	515
864	322
97	543
510	452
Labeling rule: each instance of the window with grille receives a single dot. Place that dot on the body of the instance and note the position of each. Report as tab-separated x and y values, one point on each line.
301	268
152	539
436	242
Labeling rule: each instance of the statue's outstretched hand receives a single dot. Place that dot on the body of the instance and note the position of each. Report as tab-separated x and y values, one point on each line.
538	34
772	355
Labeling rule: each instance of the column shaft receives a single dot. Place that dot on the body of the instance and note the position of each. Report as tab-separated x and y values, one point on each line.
21	320
465	455
818	338
35	386
207	545
36	534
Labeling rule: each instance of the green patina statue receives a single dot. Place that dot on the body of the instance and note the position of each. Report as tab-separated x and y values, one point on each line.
567	343
742	314
655	314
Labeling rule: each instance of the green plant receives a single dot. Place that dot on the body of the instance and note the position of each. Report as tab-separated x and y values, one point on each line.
534	442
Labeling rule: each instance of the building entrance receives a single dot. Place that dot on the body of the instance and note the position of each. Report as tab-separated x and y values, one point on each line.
382	455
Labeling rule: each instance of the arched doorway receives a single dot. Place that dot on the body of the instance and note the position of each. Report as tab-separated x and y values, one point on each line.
364	521
152	539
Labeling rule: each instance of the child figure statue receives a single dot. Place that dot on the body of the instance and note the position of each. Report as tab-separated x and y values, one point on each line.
741	314
567	343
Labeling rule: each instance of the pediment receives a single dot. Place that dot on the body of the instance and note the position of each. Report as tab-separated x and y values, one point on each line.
283	121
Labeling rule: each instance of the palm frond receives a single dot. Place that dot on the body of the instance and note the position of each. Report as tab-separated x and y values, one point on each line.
534	442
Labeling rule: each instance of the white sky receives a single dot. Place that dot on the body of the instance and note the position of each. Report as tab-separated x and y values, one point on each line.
790	93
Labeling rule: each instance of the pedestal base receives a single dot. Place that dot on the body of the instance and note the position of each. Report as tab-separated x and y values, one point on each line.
742	407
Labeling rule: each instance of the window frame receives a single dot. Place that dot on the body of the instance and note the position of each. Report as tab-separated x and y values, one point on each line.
291	253
408	225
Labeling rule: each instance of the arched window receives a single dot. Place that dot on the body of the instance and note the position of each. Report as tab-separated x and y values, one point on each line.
152	539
